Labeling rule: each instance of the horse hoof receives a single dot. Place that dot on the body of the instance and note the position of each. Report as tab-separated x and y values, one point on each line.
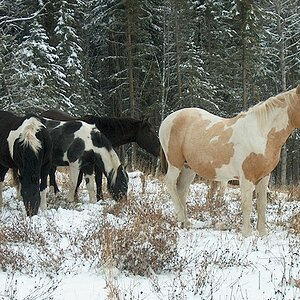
262	232
246	232
185	224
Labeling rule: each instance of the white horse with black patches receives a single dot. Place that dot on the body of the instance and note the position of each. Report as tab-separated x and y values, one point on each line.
26	148
80	146
245	148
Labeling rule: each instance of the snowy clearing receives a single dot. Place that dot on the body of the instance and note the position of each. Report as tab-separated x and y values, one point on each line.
136	251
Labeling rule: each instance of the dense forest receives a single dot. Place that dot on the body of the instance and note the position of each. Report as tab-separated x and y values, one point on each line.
147	58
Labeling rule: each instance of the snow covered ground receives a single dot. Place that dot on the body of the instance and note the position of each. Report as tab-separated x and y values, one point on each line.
69	251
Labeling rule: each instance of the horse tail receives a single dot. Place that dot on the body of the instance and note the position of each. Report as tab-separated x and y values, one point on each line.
163	161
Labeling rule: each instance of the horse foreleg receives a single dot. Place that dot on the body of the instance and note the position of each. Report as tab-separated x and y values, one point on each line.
3	171
89	181
171	184
43	187
74	172
53	185
185	178
261	203
246	194
79	180
98	179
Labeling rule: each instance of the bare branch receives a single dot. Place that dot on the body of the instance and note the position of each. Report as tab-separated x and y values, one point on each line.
25	18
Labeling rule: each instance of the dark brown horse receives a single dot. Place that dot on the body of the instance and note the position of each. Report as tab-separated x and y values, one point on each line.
119	131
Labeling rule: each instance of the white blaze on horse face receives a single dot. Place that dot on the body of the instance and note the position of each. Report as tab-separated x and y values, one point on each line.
26	132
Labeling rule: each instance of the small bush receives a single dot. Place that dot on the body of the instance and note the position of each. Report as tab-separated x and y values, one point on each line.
294	193
295	224
148	242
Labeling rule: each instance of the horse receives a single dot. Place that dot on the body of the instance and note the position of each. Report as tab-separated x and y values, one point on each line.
119	131
80	145
26	148
245	148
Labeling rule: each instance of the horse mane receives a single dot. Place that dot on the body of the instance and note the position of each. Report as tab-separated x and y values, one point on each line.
263	109
112	124
28	135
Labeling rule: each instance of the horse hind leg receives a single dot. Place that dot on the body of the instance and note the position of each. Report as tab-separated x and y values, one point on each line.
171	184
98	179
73	176
89	181
185	178
3	171
261	203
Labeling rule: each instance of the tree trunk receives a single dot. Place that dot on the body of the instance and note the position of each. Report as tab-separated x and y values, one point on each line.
280	25
130	72
178	50
245	83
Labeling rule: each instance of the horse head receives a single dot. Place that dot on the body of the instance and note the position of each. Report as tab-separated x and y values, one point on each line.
118	183
147	138
30	191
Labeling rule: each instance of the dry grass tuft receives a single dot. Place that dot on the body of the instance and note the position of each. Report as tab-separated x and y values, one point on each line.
146	243
295	224
294	193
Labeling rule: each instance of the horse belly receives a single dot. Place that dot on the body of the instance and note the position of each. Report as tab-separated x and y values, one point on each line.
210	160
226	173
208	170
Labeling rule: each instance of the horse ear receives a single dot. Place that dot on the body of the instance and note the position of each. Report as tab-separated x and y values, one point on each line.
298	89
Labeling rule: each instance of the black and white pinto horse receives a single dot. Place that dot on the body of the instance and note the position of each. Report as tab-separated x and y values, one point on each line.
80	145
119	131
26	148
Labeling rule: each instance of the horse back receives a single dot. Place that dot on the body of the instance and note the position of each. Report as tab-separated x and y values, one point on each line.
197	138
57	115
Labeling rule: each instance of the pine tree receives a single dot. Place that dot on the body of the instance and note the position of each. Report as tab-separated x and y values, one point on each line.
70	54
32	73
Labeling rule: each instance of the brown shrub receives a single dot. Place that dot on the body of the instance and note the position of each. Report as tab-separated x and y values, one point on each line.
148	242
295	224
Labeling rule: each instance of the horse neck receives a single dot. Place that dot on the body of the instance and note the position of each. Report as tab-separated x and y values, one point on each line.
118	131
119	139
275	125
110	162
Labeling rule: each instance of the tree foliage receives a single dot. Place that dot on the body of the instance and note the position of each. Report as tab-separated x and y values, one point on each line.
148	57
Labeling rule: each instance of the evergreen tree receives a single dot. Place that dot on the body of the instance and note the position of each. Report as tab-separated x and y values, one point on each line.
70	54
32	74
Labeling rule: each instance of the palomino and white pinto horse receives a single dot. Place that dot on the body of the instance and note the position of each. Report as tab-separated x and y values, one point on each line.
245	148
26	148
80	145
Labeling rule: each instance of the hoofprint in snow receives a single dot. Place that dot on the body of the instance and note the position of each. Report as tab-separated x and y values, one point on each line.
62	253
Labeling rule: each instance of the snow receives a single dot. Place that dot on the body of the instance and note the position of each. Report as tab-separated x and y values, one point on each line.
58	253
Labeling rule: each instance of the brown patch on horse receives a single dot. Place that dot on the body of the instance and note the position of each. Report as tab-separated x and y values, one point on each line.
256	166
294	108
193	142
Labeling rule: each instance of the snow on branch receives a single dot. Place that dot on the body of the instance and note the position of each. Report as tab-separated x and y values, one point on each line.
6	21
